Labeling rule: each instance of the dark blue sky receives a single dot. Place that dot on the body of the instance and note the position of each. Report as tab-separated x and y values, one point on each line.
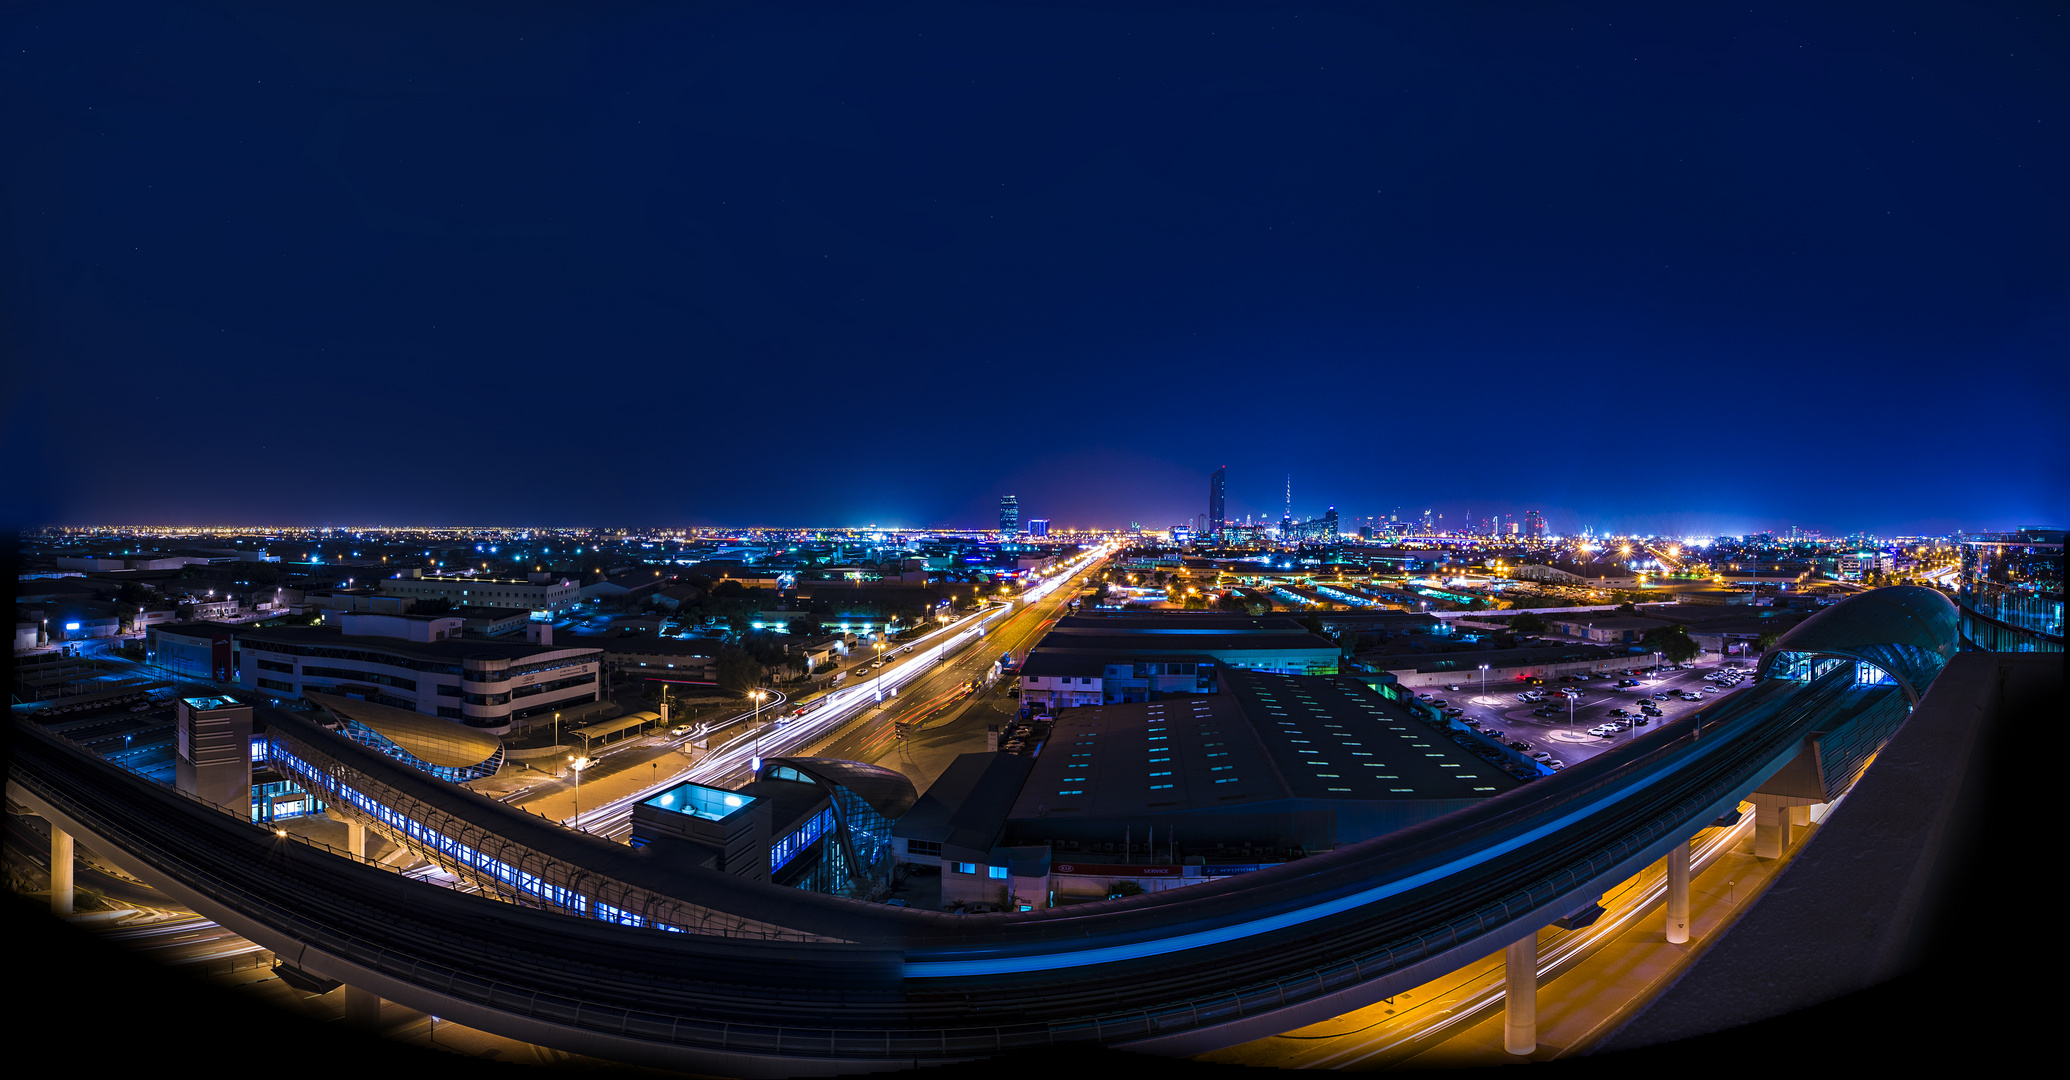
1636	265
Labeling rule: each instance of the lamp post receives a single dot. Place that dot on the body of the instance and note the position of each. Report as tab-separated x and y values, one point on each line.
1484	684
756	764
578	764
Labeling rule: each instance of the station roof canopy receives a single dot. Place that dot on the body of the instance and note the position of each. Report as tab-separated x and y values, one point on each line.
1909	631
432	739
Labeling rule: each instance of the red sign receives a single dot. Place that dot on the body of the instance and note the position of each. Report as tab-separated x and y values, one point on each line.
1118	871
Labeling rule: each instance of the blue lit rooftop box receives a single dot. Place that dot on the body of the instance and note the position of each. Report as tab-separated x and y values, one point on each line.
696	800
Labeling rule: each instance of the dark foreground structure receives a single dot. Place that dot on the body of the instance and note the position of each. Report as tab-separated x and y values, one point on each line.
808	984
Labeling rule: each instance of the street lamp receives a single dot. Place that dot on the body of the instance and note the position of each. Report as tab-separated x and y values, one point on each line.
1484	684
578	764
756	764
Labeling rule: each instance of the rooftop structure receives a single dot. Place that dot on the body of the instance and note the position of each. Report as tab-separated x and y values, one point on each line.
442	748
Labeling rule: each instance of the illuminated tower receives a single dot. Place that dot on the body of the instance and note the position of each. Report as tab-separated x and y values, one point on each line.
1010	515
1218	484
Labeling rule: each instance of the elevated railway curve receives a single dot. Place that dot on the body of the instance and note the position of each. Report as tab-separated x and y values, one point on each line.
775	981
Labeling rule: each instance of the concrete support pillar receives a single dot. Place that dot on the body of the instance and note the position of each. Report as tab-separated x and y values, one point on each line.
1520	995
1678	894
1771	829
362	1007
60	871
356	838
1800	820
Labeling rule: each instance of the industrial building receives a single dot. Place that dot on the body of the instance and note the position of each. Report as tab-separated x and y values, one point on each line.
1114	659
1176	791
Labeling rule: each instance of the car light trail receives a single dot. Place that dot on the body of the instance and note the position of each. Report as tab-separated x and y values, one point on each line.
738	752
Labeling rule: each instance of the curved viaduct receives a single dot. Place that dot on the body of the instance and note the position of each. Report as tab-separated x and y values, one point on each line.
743	978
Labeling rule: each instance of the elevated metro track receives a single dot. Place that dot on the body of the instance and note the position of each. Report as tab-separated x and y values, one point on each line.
807	983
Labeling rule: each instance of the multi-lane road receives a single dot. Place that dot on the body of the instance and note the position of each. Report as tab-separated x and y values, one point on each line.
857	721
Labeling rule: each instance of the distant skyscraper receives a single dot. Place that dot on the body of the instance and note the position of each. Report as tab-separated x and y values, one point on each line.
1534	525
1038	527
1010	515
1218	485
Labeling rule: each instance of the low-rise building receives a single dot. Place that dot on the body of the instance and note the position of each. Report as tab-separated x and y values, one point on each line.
551	593
1179	791
1625	630
660	659
421	663
1115	659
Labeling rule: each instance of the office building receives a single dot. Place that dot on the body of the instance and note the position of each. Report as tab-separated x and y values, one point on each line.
2011	591
1038	528
1534	525
1009	515
422	664
534	592
1218	491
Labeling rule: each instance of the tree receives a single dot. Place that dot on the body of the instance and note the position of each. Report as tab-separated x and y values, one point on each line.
1233	603
1530	622
1626	608
1673	642
803	628
1315	626
736	670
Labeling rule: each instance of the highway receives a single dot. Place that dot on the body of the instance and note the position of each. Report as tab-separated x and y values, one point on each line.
914	681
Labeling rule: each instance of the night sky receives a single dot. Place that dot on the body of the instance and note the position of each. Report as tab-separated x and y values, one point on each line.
1662	267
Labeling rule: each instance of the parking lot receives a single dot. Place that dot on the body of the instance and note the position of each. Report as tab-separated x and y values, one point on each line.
1570	741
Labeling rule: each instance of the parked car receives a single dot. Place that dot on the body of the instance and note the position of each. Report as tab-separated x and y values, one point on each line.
1651	710
1452	688
1541	756
1519	744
